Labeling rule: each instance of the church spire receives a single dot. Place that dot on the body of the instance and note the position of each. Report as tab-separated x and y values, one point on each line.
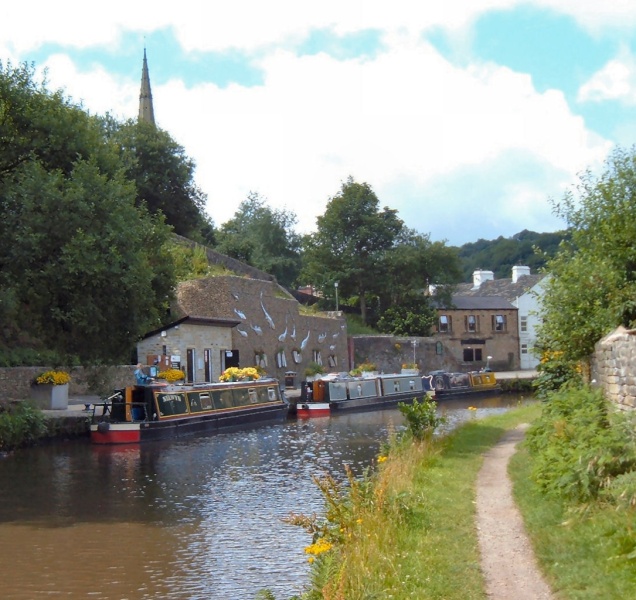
146	111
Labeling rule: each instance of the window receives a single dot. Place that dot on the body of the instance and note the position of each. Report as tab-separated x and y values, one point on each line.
472	355
317	356
439	348
523	323
471	323
499	323
524	348
444	325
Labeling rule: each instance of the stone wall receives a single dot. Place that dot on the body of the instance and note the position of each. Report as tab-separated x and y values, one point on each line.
389	353
15	382
613	367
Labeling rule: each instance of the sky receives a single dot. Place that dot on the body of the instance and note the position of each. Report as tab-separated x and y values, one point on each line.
471	118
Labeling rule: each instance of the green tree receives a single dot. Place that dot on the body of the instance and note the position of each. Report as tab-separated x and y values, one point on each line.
350	244
83	271
164	177
264	238
592	288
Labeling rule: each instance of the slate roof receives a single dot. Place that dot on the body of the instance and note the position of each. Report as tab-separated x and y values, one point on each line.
481	303
503	288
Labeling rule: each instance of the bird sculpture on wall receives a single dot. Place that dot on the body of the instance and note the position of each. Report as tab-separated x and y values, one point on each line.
303	344
268	318
241	332
257	329
240	314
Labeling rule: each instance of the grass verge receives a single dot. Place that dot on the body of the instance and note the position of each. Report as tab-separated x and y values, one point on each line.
408	530
585	550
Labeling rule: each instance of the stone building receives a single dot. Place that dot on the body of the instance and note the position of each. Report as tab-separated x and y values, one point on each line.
480	332
523	291
229	321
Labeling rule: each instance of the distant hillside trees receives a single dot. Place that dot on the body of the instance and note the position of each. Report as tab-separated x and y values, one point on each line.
502	254
83	269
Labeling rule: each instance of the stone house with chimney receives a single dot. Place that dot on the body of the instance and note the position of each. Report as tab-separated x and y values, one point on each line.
523	291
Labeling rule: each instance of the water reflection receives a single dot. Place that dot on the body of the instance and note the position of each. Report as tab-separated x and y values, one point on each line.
193	518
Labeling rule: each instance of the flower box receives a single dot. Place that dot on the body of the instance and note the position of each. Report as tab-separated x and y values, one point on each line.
47	396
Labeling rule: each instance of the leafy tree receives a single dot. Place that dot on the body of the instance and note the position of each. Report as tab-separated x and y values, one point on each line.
593	285
413	315
264	238
83	271
164	177
350	243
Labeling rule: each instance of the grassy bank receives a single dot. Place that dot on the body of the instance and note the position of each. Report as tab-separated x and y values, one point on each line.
575	484
408	531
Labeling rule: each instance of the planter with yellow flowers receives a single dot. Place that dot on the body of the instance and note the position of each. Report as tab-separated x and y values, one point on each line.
50	390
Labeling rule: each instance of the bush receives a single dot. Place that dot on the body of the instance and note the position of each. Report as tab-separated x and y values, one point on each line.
421	417
580	446
20	425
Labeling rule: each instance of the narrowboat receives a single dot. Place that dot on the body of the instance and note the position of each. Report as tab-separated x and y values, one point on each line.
454	385
342	392
162	410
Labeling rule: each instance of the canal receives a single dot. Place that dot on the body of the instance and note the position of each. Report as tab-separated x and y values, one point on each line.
196	518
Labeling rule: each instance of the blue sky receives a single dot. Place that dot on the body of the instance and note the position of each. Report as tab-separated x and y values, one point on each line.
468	117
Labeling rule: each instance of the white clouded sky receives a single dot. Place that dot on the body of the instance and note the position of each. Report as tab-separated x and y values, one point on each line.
465	116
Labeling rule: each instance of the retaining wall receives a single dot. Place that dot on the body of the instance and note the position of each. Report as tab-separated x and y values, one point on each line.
613	367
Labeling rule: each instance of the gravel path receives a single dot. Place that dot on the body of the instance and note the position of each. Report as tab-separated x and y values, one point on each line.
507	559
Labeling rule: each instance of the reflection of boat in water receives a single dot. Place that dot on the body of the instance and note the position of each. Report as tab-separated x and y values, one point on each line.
341	392
454	385
161	410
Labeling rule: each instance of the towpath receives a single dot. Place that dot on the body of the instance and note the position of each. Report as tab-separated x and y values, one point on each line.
508	561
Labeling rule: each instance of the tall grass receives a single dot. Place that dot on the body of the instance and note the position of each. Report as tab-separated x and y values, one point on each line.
407	529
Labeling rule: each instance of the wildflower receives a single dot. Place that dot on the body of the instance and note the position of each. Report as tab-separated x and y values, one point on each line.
318	547
382	459
472	408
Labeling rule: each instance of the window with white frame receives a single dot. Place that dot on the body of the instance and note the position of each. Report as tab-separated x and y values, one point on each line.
523	324
524	348
471	323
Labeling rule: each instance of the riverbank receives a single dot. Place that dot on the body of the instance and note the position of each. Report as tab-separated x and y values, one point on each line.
409	531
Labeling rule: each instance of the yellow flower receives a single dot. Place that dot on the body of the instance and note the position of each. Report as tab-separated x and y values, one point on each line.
381	459
318	547
53	377
171	375
472	408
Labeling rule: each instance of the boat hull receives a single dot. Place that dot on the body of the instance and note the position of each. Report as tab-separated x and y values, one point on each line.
308	410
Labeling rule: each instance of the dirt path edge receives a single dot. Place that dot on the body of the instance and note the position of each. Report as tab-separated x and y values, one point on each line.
507	558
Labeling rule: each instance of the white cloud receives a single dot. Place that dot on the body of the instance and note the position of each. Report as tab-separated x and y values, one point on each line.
434	140
615	81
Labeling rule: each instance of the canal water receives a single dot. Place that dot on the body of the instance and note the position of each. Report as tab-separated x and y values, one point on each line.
197	518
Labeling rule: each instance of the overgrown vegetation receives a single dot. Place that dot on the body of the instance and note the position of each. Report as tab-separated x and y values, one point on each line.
575	482
580	446
20	425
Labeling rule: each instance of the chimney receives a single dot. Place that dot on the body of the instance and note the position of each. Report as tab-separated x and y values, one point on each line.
518	272
480	276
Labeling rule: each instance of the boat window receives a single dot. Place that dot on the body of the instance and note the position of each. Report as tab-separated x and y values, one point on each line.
171	404
411	384
241	396
222	399
396	386
271	394
252	396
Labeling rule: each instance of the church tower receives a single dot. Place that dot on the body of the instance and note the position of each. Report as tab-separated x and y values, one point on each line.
146	111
